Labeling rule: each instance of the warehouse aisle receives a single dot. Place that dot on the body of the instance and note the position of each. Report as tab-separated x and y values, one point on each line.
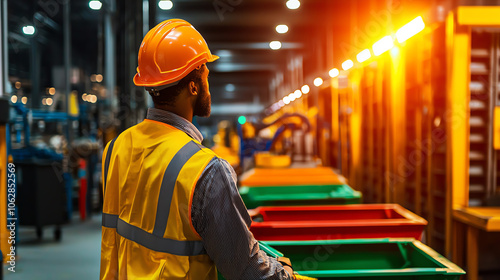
75	257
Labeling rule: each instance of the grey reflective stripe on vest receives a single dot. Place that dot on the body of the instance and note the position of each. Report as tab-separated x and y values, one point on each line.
109	220
168	185
150	241
106	162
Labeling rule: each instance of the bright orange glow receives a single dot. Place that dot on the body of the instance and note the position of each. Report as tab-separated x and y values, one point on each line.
334	72
24	100
363	55
318	81
13	98
52	91
348	64
410	29
98	78
49	101
383	45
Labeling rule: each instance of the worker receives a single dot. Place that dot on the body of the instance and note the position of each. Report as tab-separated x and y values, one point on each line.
171	206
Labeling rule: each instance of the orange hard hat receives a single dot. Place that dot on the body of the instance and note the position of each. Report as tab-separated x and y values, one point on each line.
169	52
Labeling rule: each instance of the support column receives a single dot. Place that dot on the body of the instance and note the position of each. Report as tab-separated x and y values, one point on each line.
4	246
109	57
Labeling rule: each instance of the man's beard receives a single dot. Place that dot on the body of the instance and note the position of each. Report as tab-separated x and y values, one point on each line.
202	105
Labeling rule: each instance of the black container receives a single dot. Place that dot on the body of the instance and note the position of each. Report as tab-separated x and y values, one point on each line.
4	110
41	195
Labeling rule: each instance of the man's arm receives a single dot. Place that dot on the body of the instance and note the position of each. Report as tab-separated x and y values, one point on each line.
221	219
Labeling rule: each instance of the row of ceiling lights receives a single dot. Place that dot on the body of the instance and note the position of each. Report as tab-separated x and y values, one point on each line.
162	4
94	5
167	5
378	48
283	28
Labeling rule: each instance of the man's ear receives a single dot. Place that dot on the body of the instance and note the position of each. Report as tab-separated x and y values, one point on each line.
193	88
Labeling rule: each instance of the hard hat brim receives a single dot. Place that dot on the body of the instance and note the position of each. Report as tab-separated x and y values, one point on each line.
138	81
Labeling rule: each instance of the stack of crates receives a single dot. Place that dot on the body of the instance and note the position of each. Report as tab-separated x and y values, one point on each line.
313	217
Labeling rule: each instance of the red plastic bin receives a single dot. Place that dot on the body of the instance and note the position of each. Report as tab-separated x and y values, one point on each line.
335	222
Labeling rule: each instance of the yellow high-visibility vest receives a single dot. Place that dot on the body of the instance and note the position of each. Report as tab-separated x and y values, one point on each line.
150	172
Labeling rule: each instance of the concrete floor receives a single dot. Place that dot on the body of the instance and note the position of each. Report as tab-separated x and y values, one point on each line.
75	257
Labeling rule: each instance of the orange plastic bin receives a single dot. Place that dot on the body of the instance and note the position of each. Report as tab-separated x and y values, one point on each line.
292	176
335	222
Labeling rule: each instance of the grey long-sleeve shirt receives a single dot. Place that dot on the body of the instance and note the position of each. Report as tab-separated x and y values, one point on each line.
221	218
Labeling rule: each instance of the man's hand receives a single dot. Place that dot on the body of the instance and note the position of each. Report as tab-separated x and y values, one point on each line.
287	265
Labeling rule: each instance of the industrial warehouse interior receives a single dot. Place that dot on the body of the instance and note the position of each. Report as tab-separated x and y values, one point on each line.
250	139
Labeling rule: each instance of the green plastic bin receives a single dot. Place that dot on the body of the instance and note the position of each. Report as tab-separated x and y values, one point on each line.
299	195
396	258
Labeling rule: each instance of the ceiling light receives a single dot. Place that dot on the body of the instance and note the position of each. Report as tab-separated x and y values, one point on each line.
223	53
49	101
363	55
293	4
334	72
13	98
410	29
29	29
282	28
24	100
95	5
52	91
275	45
281	103
348	64
318	81
383	45
230	87
292	96
165	4
305	89
297	94
286	100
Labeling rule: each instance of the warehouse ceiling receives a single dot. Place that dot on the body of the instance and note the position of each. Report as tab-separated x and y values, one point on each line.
239	31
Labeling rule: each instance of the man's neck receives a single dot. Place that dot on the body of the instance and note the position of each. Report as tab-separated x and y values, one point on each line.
187	114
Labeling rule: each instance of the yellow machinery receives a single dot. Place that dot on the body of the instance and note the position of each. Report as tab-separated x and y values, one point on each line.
226	144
